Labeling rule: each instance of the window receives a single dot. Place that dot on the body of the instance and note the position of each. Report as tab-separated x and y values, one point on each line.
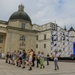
23	25
55	44
37	37
22	38
63	33
51	42
44	36
63	49
51	48
52	38
1	39
60	50
63	38
44	45
67	39
36	45
63	43
22	44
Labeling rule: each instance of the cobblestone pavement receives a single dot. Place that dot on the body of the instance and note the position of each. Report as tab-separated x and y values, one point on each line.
65	69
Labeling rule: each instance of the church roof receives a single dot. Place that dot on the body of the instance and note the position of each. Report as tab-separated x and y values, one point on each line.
3	22
71	29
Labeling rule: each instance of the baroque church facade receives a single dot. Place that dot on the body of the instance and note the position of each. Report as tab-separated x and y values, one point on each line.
19	33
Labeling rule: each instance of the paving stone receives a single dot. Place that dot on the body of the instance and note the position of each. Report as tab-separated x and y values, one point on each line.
65	69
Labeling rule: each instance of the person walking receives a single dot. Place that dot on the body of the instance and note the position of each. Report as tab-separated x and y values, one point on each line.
33	60
30	59
42	60
20	59
23	58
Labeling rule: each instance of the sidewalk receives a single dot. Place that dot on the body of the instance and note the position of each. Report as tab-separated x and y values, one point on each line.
65	69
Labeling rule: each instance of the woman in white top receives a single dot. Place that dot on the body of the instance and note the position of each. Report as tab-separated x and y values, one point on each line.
56	60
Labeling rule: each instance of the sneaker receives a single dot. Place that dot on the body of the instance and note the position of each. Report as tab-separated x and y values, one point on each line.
13	64
47	64
23	67
19	65
32	65
58	68
40	67
37	66
30	69
43	66
55	69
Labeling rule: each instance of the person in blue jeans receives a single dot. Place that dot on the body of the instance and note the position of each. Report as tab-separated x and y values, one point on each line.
56	60
23	58
38	58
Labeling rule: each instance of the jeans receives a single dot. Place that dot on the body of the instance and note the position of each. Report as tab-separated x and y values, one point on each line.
38	62
47	61
56	64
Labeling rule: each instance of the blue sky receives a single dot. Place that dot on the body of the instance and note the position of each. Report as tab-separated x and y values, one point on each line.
42	11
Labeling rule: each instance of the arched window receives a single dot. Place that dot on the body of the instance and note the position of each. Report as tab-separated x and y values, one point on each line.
1	39
23	25
44	36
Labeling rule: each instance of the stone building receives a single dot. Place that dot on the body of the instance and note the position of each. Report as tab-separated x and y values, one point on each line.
19	33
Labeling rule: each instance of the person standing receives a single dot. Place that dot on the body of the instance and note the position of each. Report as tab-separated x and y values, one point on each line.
48	57
38	58
56	60
7	57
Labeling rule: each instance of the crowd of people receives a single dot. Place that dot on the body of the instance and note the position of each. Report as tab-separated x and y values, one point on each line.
23	58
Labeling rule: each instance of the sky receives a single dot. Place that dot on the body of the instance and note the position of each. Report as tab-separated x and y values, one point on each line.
41	12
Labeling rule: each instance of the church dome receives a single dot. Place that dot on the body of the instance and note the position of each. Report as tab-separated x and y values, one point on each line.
20	14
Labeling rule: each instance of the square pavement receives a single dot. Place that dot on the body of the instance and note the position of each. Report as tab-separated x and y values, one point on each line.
66	68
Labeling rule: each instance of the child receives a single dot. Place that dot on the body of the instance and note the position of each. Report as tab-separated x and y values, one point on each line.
42	60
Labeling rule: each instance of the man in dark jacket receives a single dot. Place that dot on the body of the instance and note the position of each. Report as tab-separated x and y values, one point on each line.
23	58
